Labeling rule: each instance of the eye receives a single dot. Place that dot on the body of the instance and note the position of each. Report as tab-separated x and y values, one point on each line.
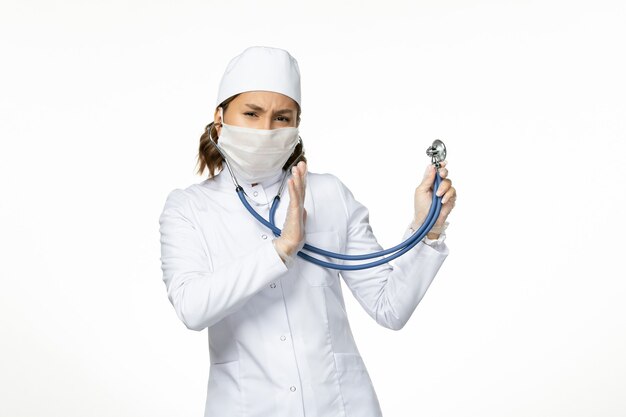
250	113
283	119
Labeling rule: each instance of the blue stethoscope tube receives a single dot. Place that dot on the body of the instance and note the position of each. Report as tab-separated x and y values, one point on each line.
402	248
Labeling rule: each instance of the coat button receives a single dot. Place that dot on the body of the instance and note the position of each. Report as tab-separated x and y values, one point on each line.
283	338
273	285
255	193
292	388
264	236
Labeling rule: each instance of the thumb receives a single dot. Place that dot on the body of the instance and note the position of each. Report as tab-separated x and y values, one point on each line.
429	178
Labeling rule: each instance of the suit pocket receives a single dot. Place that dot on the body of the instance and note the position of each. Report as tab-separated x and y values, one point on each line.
317	275
224	390
357	390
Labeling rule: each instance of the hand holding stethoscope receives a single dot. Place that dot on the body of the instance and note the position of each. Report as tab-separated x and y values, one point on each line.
424	196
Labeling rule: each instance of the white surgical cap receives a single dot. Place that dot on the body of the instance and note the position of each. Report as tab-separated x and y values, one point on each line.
261	68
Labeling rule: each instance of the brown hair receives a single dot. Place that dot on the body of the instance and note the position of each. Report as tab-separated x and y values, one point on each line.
209	157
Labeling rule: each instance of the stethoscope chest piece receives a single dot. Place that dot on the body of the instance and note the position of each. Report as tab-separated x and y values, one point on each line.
437	152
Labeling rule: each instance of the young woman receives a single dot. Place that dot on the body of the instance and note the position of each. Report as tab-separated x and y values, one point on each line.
279	339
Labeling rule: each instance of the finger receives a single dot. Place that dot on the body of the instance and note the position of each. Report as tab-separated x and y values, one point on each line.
444	186
445	195
296	182
293	199
294	193
429	178
447	208
293	203
449	196
302	168
304	178
299	182
305	168
443	172
449	199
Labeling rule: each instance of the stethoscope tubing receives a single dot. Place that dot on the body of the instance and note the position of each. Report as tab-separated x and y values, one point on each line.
401	248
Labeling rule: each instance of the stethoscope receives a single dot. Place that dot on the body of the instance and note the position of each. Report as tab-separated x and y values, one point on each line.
437	153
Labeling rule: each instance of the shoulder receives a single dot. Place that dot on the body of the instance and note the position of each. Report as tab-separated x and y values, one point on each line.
329	187
183	197
331	184
326	181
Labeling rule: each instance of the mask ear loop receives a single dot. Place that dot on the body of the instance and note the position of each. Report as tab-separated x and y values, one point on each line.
230	171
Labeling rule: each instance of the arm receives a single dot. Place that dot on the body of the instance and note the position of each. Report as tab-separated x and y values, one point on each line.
200	295
390	292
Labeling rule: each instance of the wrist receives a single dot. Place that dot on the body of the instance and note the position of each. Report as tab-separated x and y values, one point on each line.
433	233
416	223
283	246
283	253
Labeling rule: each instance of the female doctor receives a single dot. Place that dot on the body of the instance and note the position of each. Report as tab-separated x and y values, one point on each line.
280	343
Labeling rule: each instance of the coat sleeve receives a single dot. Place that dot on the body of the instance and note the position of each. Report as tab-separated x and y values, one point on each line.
390	292
201	295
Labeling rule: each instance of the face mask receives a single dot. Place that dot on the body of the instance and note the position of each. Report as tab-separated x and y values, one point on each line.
257	154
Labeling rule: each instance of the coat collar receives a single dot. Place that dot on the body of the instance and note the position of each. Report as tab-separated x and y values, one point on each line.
224	179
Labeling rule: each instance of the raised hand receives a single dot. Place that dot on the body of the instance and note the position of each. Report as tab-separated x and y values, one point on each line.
292	237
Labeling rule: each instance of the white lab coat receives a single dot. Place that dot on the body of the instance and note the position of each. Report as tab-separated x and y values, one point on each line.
280	343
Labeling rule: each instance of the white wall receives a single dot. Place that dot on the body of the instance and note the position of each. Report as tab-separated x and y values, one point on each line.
101	108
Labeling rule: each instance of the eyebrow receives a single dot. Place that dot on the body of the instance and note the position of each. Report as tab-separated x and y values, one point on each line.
261	109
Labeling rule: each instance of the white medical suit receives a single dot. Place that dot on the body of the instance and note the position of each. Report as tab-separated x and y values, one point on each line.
280	343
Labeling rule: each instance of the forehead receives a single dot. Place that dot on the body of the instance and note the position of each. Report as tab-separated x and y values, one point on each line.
265	99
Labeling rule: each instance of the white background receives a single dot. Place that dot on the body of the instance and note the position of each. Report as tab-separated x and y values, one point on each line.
101	108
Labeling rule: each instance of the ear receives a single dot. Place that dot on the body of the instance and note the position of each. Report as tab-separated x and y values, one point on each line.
217	120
